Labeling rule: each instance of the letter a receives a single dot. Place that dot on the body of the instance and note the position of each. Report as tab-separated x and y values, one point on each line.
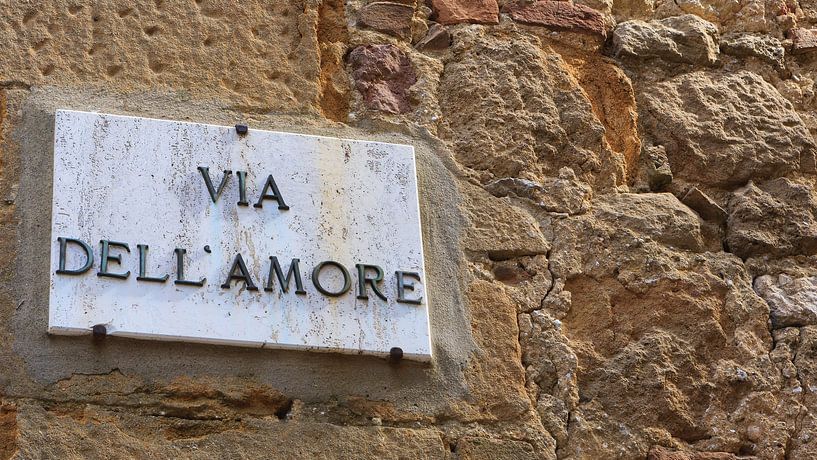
276	194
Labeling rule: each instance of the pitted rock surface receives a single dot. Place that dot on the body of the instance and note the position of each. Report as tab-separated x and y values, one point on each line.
383	74
724	129
560	15
466	11
681	39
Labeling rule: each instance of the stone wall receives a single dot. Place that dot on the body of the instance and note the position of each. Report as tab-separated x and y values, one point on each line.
619	210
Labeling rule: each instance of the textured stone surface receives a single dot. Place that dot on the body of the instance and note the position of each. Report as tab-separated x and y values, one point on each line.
332	36
97	433
489	449
725	129
564	194
383	74
501	230
648	351
708	209
495	376
684	39
466	11
388	17
803	40
576	311
792	301
728	15
654	172
768	49
538	121
437	38
560	15
269	62
660	216
777	218
662	453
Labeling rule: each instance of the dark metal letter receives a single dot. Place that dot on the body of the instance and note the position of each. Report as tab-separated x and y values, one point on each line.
294	269
276	194
105	257
242	188
362	280
238	262
214	194
402	286
180	270
347	280
89	256
143	251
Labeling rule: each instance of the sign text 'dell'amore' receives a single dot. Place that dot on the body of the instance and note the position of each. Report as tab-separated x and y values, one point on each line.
190	232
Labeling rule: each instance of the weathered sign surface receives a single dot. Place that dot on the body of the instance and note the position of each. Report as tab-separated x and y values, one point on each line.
181	231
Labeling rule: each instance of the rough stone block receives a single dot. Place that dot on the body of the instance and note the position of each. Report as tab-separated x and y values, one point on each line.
707	208
684	39
561	15
437	38
803	40
391	18
466	11
792	301
383	74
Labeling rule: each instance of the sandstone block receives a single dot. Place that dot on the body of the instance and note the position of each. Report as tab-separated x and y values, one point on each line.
561	15
633	299
654	170
512	108
97	433
792	301
684	39
383	74
473	448
564	194
707	208
437	38
763	47
662	453
724	129
624	10
260	55
500	230
391	18
803	40
777	218
550	369
495	377
659	216
468	11
727	15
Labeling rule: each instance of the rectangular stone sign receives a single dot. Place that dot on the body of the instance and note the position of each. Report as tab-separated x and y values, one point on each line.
180	231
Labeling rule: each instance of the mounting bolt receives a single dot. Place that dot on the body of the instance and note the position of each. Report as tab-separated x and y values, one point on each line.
395	355
99	332
241	129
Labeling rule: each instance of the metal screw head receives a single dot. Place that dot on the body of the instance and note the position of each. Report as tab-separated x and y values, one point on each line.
395	355
241	129
99	331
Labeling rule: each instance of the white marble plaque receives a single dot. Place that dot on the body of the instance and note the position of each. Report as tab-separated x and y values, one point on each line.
140	182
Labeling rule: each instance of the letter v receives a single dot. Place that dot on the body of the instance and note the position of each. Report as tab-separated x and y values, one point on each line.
214	194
